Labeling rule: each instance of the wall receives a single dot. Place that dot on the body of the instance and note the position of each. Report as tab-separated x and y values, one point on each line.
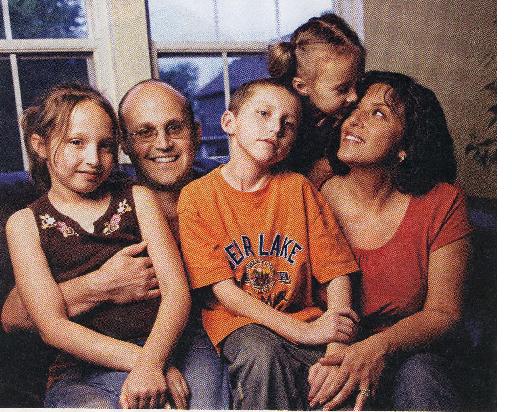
131	44
448	46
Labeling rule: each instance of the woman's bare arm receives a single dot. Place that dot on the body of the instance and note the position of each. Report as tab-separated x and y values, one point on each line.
361	364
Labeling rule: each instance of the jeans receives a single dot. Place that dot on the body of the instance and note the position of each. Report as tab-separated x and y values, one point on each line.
90	386
267	371
204	370
420	381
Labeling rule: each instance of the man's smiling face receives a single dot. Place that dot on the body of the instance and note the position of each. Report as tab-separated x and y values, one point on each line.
161	141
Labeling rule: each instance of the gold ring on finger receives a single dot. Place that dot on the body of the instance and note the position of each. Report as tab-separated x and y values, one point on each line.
365	392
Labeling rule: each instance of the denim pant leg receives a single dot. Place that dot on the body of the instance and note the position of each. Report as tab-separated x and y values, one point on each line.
205	372
421	382
267	371
87	386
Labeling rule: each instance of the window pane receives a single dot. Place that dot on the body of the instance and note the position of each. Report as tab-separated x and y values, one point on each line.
292	13
47	19
38	73
182	20
10	146
245	67
200	78
247	20
2	28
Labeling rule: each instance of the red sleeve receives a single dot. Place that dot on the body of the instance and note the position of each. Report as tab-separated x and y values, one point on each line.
202	249
450	216
331	255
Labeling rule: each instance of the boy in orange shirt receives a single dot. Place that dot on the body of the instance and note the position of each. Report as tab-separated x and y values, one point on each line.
261	241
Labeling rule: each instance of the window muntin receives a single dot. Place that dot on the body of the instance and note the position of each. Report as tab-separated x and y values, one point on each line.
36	73
238	32
2	28
44	43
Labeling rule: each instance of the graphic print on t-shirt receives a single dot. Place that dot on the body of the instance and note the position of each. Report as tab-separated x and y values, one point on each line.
260	277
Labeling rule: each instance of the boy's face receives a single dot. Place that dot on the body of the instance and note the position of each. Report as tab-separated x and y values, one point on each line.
265	126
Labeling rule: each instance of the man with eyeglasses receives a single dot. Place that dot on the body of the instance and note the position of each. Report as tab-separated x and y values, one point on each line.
161	137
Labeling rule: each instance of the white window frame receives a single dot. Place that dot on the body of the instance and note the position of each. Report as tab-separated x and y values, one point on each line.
111	68
350	10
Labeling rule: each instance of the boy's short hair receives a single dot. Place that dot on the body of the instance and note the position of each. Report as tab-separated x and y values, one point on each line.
246	90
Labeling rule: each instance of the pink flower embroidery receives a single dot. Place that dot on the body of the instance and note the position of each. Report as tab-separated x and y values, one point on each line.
115	220
48	222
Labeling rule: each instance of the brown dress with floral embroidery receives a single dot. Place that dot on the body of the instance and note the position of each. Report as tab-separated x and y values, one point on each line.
71	251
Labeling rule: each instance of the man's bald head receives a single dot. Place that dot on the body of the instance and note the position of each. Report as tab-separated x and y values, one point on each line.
159	134
148	86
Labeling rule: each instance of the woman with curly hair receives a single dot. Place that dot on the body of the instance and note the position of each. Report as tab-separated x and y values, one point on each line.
408	228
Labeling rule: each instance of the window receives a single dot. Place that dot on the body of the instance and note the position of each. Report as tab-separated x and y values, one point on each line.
43	43
207	48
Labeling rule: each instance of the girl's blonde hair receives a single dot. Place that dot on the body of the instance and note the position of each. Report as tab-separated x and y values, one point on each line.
49	117
295	58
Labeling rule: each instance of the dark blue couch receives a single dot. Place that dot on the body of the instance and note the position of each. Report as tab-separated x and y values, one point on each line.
24	358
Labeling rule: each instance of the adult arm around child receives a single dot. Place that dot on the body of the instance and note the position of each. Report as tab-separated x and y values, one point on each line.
125	277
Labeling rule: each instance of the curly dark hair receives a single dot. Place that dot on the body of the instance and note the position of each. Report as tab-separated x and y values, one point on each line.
426	139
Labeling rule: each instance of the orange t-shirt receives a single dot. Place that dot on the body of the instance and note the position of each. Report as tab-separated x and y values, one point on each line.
272	242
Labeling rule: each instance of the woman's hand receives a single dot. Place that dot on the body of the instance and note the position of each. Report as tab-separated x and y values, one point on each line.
178	388
324	381
322	377
360	368
333	326
144	388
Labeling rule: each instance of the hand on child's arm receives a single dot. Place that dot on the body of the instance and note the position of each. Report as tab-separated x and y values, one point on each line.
177	387
144	388
124	278
127	277
333	326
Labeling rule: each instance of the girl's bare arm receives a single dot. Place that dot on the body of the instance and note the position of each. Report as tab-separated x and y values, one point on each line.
46	306
146	385
163	251
124	278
